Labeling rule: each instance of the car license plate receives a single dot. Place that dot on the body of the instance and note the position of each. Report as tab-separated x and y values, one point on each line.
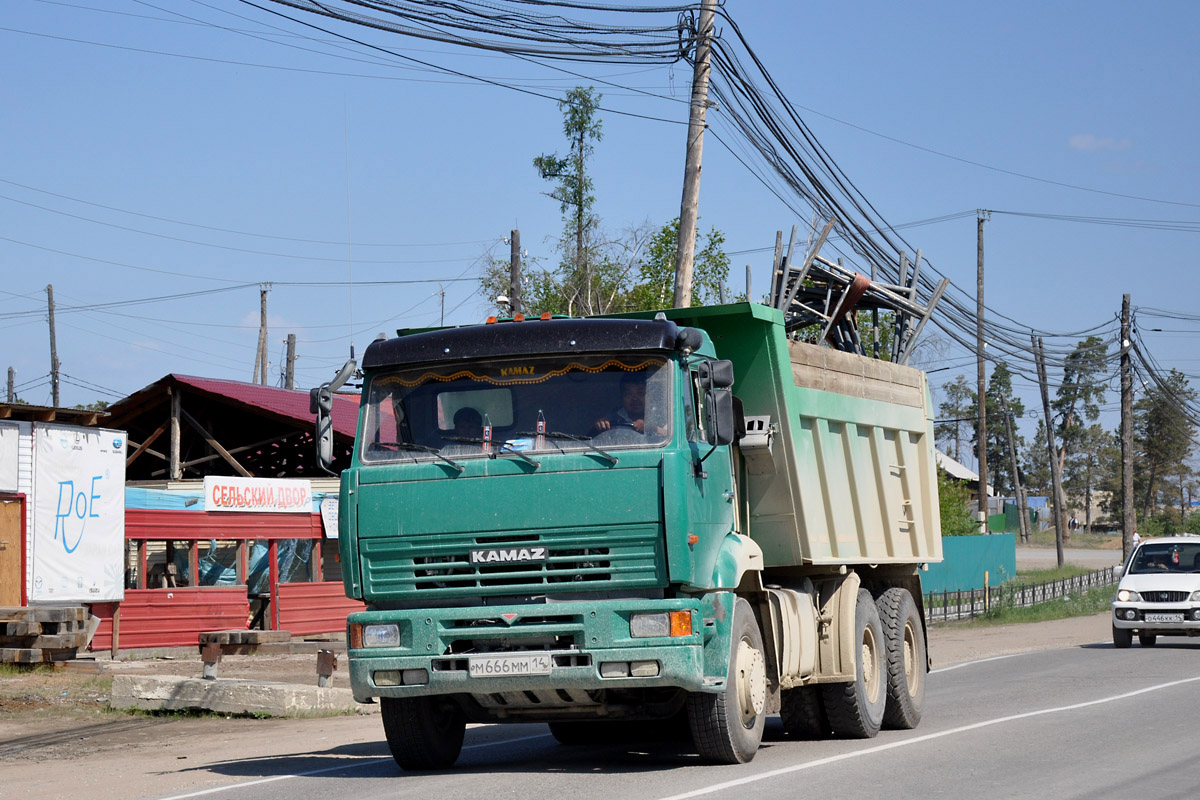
1164	618
499	666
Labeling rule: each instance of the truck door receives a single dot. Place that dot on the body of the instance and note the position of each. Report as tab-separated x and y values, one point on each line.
711	506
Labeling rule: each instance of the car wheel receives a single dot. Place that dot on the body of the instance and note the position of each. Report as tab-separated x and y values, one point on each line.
1121	638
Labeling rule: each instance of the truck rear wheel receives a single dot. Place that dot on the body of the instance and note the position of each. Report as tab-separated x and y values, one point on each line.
728	727
904	640
423	732
856	709
803	714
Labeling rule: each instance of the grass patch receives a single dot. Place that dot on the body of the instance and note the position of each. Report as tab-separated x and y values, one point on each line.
1046	575
1079	540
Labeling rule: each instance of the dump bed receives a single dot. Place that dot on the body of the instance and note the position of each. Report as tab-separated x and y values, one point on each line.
851	477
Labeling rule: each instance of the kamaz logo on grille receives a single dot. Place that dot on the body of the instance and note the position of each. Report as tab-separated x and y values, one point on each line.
504	555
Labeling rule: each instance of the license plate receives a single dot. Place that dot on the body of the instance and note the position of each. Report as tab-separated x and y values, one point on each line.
499	666
1164	618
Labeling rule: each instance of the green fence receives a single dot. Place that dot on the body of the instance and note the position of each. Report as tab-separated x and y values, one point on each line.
968	558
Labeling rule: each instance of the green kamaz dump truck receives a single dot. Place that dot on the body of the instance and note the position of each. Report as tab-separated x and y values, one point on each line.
603	522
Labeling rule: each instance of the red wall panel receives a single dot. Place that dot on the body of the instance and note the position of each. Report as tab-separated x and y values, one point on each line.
172	617
306	608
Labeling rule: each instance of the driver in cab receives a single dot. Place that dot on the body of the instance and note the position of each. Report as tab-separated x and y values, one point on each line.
632	413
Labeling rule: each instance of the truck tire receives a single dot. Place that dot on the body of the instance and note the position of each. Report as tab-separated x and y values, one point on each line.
856	709
1147	639
1122	638
728	727
904	644
803	714
423	732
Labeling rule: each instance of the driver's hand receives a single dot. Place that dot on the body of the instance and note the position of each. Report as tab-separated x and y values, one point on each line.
602	424
639	425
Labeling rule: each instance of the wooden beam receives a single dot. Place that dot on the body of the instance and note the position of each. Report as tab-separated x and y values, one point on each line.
241	449
208	437
141	448
174	473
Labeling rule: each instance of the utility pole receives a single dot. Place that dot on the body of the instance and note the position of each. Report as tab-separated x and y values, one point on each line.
1022	507
981	373
261	359
1128	513
53	347
1060	522
689	207
514	273
289	375
12	379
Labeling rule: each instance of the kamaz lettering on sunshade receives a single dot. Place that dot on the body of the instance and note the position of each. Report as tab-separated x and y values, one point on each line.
512	554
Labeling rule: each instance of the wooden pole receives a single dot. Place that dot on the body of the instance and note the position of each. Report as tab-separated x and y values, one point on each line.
262	335
1023	522
514	273
981	374
289	376
1060	522
175	472
12	379
1128	513
53	347
689	207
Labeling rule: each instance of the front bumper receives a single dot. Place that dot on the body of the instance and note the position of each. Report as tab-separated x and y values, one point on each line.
1134	617
436	646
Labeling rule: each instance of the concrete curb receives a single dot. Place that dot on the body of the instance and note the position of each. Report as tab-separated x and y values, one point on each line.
232	696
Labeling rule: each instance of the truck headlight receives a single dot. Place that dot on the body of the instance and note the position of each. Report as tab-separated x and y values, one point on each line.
1130	596
662	623
381	636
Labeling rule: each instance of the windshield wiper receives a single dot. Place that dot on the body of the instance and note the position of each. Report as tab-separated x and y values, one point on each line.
587	440
503	447
424	449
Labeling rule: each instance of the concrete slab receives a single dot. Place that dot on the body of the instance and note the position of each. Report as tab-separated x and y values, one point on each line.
232	696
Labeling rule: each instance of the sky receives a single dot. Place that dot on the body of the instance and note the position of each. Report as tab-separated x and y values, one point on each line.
185	153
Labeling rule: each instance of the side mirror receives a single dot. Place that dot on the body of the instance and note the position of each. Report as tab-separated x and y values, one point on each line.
715	374
721	423
320	401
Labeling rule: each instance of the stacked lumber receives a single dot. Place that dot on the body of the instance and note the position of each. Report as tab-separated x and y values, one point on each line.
248	642
38	634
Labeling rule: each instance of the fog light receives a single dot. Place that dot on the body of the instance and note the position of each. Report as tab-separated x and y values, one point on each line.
643	669
1130	614
1195	613
387	677
415	677
614	669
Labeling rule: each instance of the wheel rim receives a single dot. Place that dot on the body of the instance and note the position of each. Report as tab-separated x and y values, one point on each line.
751	682
912	673
870	665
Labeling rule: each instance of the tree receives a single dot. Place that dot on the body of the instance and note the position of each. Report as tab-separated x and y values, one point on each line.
655	286
999	464
1163	436
957	408
581	285
953	498
1092	468
1035	468
1078	399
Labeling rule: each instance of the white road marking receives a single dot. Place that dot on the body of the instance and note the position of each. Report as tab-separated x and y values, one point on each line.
338	768
976	661
919	739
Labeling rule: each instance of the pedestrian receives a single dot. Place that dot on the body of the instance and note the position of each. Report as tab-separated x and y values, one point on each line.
1136	539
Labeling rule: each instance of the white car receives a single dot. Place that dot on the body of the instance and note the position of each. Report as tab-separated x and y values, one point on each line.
1159	594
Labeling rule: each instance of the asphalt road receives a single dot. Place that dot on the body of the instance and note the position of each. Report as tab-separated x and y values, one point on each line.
1077	722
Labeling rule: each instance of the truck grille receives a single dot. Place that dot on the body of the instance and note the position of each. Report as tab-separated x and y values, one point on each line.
437	565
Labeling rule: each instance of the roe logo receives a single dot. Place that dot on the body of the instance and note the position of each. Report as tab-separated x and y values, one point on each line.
509	554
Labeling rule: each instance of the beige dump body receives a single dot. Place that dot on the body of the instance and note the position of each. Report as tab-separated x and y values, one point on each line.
854	477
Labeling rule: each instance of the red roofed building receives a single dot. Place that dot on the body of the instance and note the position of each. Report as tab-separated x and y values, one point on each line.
183	427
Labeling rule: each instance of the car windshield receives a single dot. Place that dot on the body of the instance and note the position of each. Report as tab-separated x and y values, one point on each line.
548	404
1157	557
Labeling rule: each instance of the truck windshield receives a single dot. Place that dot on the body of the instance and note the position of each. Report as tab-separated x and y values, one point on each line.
547	404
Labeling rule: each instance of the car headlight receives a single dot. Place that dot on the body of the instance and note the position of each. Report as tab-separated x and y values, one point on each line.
1195	598
1130	596
381	635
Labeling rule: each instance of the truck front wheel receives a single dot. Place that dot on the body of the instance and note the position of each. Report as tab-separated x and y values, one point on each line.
423	732
905	647
856	709
728	727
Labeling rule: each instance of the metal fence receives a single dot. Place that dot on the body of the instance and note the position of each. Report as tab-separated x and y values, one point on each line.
957	605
